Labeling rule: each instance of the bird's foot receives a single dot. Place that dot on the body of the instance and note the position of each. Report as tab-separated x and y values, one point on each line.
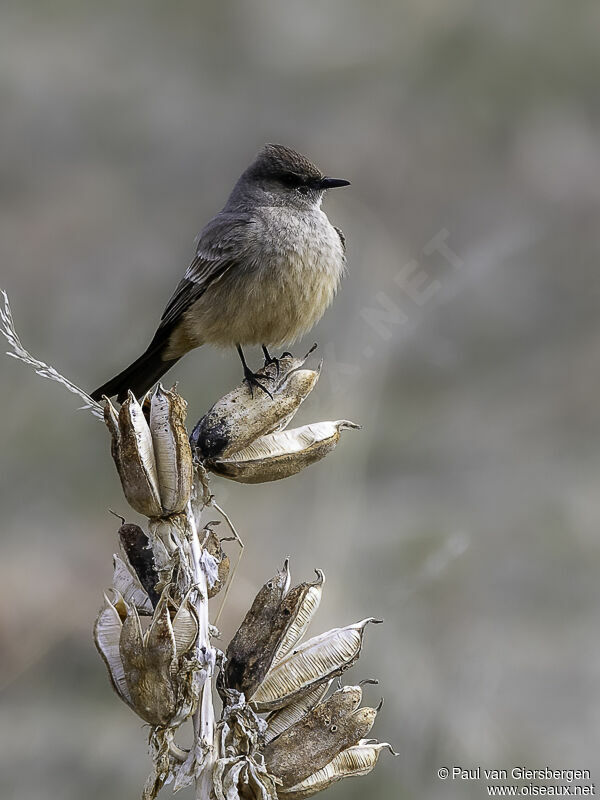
269	359
252	378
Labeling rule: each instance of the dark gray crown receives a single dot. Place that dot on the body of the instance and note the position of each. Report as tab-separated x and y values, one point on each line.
275	160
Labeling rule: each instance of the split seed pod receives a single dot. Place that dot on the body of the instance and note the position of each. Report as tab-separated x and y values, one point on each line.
279	455
154	461
282	719
351	762
172	449
313	662
245	654
241	416
299	607
312	742
136	546
133	454
269	631
127	584
145	668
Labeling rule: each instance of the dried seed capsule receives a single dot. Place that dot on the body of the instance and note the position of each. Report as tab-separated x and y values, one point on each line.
301	604
351	762
185	626
279	455
145	668
126	583
251	656
313	662
241	776
136	546
281	720
133	454
242	416
148	666
107	634
171	449
311	743
166	536
246	662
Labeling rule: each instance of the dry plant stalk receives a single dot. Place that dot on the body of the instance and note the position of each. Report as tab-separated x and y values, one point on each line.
154	632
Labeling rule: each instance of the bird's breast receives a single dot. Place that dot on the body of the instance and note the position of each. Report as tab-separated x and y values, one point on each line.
280	291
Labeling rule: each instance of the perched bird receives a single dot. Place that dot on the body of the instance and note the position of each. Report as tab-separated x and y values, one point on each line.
266	268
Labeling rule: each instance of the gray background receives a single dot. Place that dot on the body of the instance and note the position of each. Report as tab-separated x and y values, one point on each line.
466	511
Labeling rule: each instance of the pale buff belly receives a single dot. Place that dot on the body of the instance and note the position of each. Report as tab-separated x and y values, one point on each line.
261	309
269	305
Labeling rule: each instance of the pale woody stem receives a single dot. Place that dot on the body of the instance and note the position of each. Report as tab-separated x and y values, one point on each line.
204	718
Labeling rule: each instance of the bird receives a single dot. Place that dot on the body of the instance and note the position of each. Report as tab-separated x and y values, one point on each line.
266	268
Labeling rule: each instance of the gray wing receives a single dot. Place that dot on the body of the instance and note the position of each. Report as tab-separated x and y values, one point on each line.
340	233
223	244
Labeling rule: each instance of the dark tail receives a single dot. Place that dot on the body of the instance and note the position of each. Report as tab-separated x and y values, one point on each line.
139	376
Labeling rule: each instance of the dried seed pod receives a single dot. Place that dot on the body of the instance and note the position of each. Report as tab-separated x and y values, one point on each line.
107	634
279	455
257	645
302	603
313	662
241	416
213	546
241	776
145	668
246	660
171	449
281	720
166	536
127	584
313	741
133	454
185	626
136	546
169	531
351	762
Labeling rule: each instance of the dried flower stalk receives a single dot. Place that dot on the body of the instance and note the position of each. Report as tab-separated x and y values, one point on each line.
164	669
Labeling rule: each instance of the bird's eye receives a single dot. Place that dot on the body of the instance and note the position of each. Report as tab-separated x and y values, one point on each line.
289	179
304	189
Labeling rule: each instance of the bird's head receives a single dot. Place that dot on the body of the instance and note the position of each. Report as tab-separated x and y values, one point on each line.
287	177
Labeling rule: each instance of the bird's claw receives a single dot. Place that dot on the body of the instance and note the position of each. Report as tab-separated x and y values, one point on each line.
273	360
252	379
269	359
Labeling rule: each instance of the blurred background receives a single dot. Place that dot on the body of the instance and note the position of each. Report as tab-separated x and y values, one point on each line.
465	339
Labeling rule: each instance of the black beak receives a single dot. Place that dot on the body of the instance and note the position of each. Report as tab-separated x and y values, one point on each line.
332	183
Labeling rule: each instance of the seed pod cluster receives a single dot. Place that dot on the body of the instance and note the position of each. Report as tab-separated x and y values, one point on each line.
155	671
282	732
153	456
244	437
310	740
